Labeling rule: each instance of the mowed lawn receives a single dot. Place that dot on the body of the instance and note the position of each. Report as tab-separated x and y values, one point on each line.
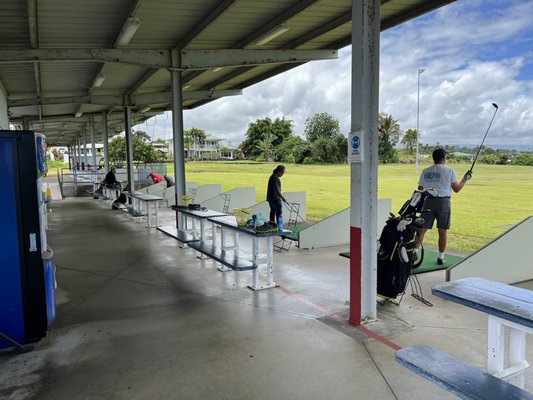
495	199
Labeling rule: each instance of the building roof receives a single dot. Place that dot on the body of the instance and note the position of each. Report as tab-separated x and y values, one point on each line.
65	63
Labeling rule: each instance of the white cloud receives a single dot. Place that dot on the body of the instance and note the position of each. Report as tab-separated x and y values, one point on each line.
474	53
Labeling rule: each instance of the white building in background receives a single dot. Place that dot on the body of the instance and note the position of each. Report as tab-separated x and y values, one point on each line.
99	147
211	148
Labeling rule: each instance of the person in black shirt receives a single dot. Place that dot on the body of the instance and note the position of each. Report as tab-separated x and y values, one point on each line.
111	179
274	195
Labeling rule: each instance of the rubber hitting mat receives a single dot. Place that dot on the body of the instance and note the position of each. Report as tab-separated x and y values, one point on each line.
430	261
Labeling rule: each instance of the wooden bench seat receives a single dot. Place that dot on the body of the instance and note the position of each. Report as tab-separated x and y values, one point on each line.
177	234
511	303
507	307
227	258
463	380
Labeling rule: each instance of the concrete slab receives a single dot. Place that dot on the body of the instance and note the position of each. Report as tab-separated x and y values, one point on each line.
138	317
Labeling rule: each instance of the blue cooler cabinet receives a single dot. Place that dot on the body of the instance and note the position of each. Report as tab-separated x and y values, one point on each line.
23	291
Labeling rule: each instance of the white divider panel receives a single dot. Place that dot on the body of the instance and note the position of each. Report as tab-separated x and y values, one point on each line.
241	197
335	230
292	197
507	259
205	192
155	189
170	193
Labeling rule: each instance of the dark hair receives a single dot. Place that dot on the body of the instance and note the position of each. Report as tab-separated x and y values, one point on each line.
439	154
279	168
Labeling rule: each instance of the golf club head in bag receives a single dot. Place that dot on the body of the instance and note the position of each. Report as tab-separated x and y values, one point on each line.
413	206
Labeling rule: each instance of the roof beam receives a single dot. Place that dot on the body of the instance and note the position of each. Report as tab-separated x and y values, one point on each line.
289	13
139	99
206	59
145	57
190	59
221	8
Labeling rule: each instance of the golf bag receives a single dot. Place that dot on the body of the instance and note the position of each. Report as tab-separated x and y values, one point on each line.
397	242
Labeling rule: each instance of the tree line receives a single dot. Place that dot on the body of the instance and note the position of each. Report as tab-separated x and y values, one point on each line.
322	143
274	140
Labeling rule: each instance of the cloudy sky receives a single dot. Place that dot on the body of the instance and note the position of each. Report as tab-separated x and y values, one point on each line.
474	52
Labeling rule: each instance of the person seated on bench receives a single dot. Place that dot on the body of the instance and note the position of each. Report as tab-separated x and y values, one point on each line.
154	178
169	180
120	202
110	179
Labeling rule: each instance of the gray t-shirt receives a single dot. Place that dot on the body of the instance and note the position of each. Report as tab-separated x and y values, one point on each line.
439	177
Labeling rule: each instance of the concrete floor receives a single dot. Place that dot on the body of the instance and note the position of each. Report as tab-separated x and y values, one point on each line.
138	317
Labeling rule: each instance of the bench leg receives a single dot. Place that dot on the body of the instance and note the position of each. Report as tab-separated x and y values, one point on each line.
202	238
517	354
148	219
269	265
515	371
221	268
496	341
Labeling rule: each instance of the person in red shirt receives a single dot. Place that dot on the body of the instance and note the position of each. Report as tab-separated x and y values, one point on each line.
155	178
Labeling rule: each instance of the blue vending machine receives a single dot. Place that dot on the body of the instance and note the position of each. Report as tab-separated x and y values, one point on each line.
27	274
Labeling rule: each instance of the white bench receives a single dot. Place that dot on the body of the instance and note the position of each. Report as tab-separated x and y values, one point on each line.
138	199
230	257
463	380
506	306
229	224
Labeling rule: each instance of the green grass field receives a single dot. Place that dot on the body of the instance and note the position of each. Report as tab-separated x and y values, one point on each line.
495	199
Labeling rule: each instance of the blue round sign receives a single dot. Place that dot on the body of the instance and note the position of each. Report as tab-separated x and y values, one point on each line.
355	142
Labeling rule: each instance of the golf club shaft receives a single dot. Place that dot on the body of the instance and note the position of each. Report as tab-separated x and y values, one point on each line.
484	137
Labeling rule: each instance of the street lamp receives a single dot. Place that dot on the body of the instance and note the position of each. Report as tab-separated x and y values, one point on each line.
420	70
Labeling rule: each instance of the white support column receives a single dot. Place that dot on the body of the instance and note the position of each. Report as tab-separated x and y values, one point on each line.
93	144
177	130
129	148
105	140
85	159
78	151
363	175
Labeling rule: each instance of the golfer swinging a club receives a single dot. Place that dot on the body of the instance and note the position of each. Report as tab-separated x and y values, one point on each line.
443	179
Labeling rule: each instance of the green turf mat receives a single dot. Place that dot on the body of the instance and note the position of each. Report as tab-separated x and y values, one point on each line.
295	235
429	263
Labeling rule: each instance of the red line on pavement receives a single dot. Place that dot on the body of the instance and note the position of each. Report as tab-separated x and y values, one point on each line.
337	317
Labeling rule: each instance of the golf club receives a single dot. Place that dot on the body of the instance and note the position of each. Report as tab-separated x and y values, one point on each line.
469	172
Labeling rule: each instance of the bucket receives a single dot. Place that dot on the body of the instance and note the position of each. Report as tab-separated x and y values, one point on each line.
242	215
186	199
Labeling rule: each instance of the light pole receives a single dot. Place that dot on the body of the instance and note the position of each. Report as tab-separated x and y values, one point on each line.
420	70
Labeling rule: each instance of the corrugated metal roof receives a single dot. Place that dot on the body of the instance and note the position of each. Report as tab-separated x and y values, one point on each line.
47	88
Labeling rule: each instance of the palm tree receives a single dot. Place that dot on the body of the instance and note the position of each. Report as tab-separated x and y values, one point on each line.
195	136
389	135
409	140
265	145
389	127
